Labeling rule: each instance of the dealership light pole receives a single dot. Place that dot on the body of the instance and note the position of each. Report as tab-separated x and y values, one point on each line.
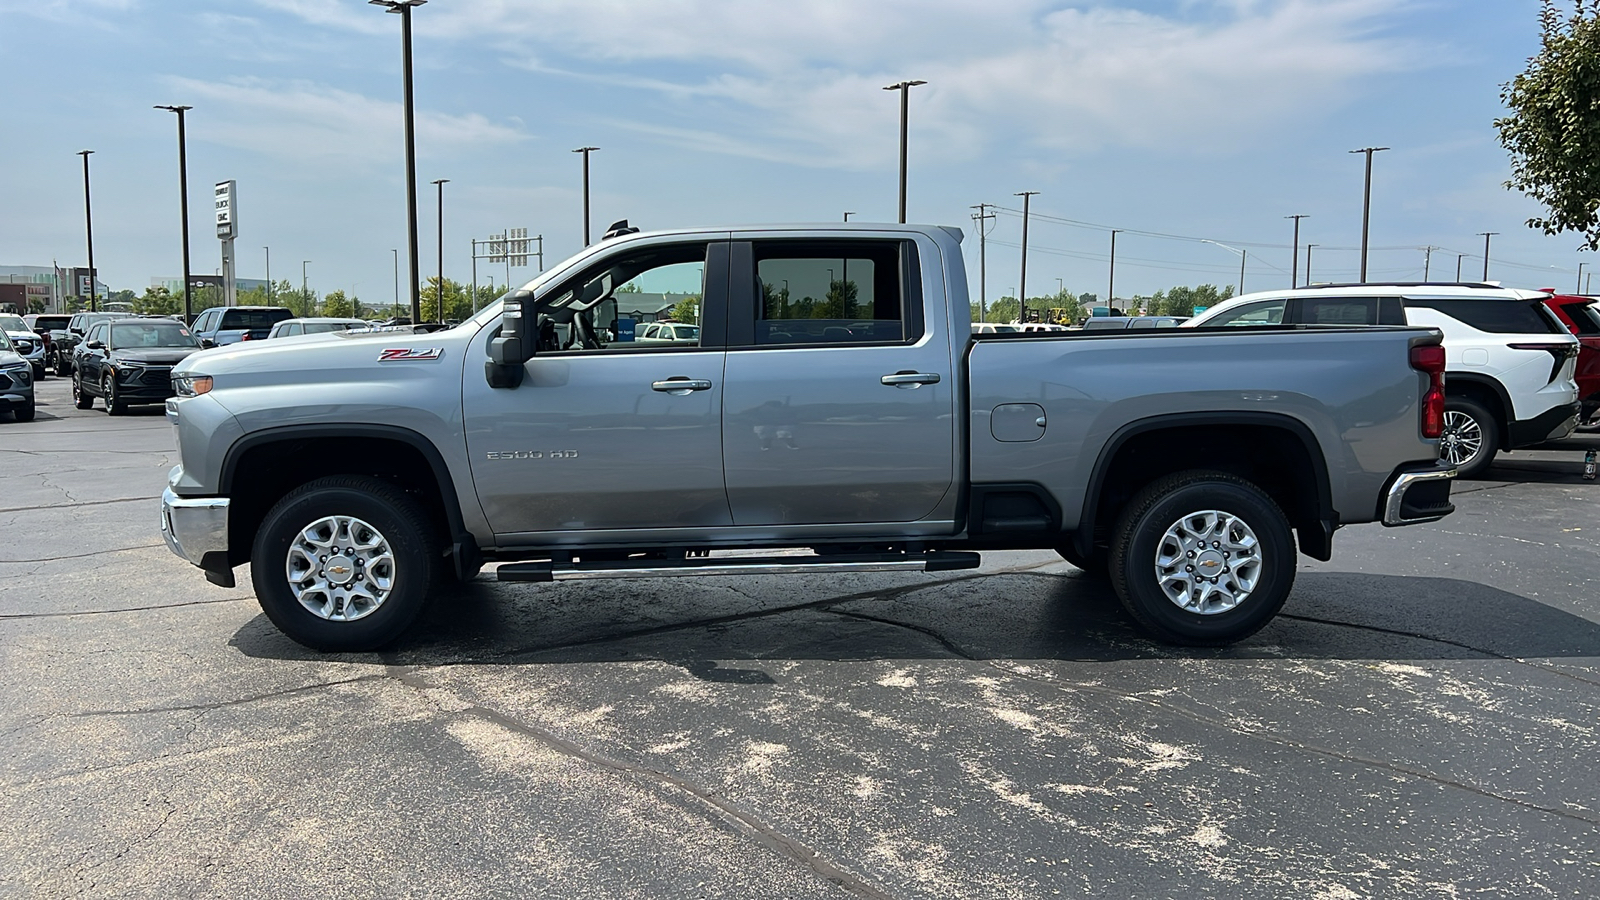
585	151
1579	288
1111	279
1486	235
1022	280
183	199
440	183
1294	255
403	9
88	228
1308	263
1366	206
848	213
269	273
305	295
904	87
1243	255
396	252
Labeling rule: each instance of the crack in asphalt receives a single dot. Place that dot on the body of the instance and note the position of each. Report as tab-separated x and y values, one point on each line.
45	559
12	509
744	821
111	612
225	704
1201	718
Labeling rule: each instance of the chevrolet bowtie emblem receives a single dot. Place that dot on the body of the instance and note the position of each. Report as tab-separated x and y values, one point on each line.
1210	563
338	570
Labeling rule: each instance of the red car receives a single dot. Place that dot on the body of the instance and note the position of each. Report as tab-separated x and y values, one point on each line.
1582	315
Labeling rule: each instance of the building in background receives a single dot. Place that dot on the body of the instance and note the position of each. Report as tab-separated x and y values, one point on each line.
52	285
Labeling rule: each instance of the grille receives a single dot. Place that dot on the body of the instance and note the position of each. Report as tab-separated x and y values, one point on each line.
153	376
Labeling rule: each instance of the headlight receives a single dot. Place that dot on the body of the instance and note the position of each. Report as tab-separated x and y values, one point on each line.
23	373
191	384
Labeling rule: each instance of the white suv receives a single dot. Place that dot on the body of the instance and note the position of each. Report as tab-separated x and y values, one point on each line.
1509	361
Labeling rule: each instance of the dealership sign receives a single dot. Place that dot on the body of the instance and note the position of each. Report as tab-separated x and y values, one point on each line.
227	218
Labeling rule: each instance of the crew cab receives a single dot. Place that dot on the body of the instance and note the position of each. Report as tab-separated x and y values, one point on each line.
811	424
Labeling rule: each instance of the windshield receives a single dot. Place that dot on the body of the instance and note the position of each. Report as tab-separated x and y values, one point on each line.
13	323
51	322
136	335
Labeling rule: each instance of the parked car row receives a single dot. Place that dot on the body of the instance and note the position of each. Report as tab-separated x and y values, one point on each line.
1511	355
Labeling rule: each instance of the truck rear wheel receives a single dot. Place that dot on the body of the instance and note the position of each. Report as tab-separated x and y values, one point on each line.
345	563
1202	559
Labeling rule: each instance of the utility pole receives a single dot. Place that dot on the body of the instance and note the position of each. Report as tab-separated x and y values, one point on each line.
1111	279
440	183
183	199
1579	288
1459	258
269	274
396	312
1294	255
1366	206
1427	261
1308	263
88	228
305	295
980	216
585	151
904	88
1486	235
1022	280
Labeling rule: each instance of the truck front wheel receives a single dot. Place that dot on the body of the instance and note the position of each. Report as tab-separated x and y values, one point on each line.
345	563
1202	558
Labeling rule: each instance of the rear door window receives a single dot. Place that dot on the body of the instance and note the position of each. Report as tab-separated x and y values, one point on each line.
1269	312
1583	316
1338	310
253	319
835	292
1495	316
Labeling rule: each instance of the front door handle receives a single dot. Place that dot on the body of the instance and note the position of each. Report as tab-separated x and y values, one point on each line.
680	385
910	379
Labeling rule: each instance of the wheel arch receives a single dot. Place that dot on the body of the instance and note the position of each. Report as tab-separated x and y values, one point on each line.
1235	442
1487	391
263	466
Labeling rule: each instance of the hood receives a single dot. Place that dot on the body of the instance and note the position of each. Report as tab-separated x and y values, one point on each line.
153	356
9	358
337	356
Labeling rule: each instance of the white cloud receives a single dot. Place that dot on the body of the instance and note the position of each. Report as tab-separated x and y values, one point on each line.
304	121
802	80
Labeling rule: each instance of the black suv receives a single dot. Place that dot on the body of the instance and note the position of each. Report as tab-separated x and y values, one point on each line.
129	360
65	342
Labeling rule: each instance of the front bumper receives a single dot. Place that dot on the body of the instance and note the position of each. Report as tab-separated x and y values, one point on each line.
1417	495
196	528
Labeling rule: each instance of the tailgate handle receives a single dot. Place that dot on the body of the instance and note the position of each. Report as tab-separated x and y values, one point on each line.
910	379
680	385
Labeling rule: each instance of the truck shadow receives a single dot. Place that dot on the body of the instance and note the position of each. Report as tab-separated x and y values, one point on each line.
703	626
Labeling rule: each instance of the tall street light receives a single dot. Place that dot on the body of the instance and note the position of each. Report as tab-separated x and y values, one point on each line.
1459	258
1486	235
396	252
1366	206
1111	280
1022	280
183	199
848	213
904	88
1294	255
403	9
305	295
88	228
1308	263
269	273
1579	288
586	151
1242	257
440	183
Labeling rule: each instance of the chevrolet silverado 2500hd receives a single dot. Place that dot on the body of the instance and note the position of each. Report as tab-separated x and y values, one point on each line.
832	398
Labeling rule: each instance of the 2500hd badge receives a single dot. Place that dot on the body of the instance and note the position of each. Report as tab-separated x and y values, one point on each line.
531	454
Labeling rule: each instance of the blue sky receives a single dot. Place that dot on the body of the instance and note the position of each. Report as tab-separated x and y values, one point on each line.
1197	118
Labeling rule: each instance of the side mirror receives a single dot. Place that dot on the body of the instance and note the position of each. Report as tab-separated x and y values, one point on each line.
513	348
95	345
207	343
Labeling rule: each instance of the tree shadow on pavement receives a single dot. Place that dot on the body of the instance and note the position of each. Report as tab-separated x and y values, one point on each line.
1068	616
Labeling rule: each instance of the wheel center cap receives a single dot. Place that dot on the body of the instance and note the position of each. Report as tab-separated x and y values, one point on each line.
1209	564
340	569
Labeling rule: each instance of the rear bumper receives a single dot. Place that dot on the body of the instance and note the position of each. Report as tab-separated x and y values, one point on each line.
1551	425
1418	494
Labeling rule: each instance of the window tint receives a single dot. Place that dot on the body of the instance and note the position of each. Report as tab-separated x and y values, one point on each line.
1339	311
129	335
831	292
1584	317
96	333
252	319
1496	316
1269	312
600	308
1391	311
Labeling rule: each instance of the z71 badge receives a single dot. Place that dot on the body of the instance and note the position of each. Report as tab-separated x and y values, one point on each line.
403	353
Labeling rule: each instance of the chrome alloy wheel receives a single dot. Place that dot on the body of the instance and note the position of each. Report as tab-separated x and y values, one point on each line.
1462	438
340	569
1208	562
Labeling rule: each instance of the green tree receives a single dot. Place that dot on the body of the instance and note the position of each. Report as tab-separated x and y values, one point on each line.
157	301
687	310
335	304
842	302
1005	309
457	302
1553	131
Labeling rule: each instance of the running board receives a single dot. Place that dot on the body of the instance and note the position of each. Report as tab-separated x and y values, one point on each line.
942	561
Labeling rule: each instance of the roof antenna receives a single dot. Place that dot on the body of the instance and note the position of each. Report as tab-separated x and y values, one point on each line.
618	229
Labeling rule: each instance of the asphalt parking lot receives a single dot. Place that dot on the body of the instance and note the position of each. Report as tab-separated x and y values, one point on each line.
1420	722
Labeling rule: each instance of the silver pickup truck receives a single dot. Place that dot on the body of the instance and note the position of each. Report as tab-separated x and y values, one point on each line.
831	412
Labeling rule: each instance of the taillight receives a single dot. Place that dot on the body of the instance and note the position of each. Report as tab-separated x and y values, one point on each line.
1560	352
1429	358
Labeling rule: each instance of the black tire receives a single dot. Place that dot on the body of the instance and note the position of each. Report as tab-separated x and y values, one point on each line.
38	372
1096	563
63	365
108	393
418	563
81	398
1161	506
1462	417
25	412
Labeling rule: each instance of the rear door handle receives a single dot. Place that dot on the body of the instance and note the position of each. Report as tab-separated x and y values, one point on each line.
681	385
910	379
